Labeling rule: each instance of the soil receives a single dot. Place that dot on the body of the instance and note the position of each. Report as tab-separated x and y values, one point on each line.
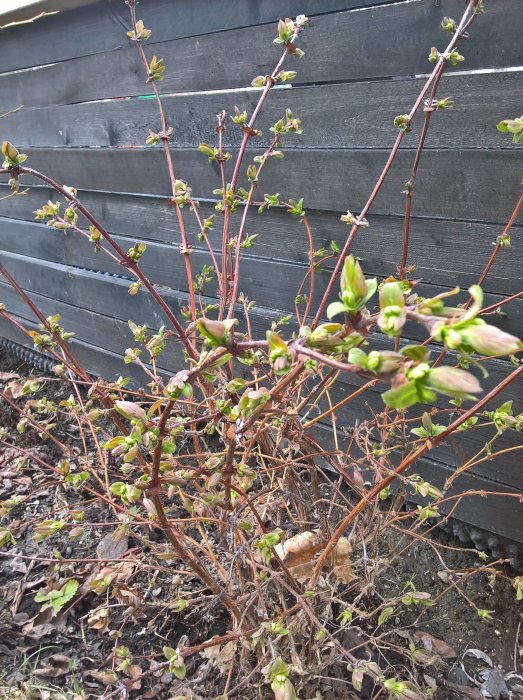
69	656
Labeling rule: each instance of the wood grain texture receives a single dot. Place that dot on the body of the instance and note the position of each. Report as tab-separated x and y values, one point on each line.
106	295
350	115
340	47
282	238
461	184
270	282
87	31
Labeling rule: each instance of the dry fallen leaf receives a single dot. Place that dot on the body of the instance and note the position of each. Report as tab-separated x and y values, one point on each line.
222	657
43	624
105	677
99	619
113	546
341	564
300	552
135	675
14	389
5	376
54	666
127	595
438	646
117	572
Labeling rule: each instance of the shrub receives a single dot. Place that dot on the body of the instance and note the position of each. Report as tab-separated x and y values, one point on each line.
221	456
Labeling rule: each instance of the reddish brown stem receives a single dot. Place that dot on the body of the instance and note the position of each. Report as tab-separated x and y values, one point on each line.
185	247
498	245
410	185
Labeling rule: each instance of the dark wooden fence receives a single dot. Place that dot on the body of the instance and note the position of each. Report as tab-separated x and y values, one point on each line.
364	64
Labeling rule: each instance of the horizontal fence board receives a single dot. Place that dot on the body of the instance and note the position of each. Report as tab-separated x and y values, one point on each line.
107	295
114	336
462	184
103	27
281	237
85	30
272	282
340	47
352	115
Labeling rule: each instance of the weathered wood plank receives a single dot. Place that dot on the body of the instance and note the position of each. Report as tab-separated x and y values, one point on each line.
107	295
340	47
87	31
282	238
114	336
462	184
271	282
352	115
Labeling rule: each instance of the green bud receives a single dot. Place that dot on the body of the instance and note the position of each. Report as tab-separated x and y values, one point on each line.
178	386
453	382
153	138
489	340
136	252
355	290
402	122
385	362
216	333
11	155
239	117
448	24
512	126
433	55
445	103
392	316
210	151
455	57
140	33
285	76
131	410
353	279
156	69
279	355
252	401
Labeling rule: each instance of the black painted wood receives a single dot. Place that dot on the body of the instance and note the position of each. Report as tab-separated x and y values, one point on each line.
271	282
340	47
282	238
106	295
462	184
351	115
87	31
496	513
